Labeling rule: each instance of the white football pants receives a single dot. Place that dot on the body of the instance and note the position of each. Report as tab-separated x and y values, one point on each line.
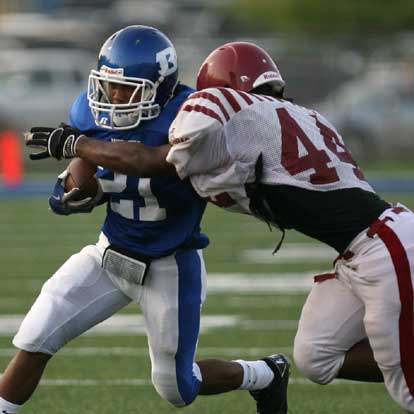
81	294
371	296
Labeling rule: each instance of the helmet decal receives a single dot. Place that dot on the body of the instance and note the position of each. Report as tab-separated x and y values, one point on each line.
112	71
167	60
268	77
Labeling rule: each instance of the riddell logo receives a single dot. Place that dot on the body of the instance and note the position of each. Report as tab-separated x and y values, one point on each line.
112	71
266	77
175	141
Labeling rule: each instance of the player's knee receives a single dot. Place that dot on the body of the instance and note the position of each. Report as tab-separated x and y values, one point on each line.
166	385
175	386
37	342
36	334
315	363
304	360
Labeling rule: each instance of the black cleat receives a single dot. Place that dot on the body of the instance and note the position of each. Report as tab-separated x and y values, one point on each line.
273	398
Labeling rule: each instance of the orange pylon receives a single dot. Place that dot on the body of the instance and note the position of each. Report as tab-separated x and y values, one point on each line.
11	159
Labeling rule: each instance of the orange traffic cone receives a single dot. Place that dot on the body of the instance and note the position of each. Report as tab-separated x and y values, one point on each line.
11	159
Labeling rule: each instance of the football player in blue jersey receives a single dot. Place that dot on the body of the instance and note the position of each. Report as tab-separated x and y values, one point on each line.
143	226
149	249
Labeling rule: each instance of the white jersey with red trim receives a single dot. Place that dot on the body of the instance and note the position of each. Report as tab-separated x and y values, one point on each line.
219	134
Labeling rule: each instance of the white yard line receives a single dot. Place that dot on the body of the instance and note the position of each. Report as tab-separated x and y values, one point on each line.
141	382
291	253
263	283
132	325
127	325
218	283
243	283
143	352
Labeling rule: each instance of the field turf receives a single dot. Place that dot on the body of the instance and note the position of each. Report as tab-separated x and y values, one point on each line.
111	373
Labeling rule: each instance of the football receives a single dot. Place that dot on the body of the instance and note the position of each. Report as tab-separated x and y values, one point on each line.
82	176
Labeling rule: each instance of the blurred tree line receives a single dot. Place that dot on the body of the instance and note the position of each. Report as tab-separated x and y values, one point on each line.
326	16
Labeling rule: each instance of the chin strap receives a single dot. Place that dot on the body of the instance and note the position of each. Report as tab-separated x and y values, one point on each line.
259	205
279	244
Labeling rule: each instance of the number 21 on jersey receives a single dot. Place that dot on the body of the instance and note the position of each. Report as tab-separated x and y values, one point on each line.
150	212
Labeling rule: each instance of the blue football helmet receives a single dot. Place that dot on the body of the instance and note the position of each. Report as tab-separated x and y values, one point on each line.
138	57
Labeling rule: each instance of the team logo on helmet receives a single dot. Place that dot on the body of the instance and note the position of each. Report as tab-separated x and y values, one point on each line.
167	59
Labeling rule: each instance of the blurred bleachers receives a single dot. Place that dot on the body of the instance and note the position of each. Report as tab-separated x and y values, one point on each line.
320	70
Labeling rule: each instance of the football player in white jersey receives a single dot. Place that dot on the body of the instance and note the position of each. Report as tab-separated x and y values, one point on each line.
248	149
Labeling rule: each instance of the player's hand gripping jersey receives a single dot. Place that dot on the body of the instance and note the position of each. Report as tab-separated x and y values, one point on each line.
153	216
309	179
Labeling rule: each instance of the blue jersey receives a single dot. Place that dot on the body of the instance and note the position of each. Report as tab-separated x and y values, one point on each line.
152	216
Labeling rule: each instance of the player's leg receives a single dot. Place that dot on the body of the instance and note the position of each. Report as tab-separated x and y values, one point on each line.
360	365
173	293
25	371
266	379
385	283
171	303
331	323
77	297
219	375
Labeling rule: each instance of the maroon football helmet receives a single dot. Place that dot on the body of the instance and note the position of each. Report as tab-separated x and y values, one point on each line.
239	65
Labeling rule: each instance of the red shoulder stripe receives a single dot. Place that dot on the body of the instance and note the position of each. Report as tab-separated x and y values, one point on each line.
259	97
206	111
211	98
269	98
246	97
231	99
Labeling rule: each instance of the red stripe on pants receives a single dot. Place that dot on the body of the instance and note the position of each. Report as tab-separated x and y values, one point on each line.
406	322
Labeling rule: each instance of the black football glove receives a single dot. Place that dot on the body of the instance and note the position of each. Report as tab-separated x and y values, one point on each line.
53	142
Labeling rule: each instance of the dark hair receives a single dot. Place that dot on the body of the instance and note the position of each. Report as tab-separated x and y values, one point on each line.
267	89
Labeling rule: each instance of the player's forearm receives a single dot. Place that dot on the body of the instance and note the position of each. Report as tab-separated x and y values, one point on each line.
131	158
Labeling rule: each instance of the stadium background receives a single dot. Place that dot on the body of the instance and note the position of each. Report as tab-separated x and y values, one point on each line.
328	53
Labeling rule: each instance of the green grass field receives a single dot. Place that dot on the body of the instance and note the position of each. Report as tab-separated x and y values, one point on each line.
108	374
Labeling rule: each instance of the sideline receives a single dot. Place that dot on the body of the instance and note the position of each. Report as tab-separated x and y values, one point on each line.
42	187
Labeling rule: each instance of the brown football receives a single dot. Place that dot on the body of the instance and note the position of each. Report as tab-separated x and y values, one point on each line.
82	175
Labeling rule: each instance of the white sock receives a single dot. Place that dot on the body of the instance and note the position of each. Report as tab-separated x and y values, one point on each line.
7	407
257	375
